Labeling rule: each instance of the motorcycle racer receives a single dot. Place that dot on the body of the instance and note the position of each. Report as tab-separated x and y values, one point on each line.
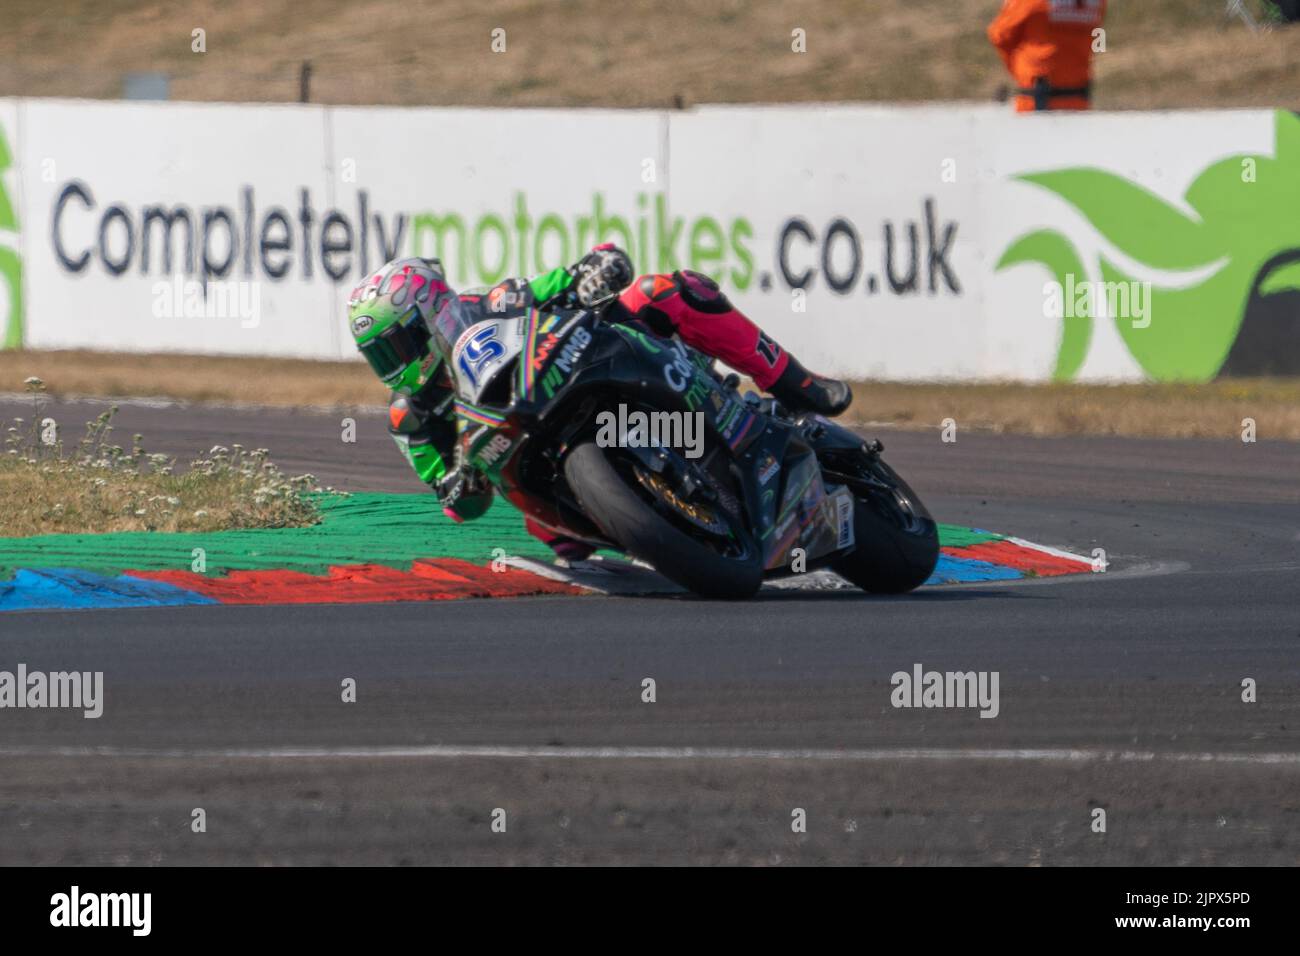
394	314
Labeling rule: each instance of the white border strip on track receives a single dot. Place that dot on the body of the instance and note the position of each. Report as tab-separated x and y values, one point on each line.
493	751
1057	552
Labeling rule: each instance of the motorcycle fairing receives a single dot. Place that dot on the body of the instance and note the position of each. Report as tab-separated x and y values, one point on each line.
564	356
480	352
796	510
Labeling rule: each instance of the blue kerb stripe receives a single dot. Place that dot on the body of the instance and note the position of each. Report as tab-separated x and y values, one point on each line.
52	588
952	570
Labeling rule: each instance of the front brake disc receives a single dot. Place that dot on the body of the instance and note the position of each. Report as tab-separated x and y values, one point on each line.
694	512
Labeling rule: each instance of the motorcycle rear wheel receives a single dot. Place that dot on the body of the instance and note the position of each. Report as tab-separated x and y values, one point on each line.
897	542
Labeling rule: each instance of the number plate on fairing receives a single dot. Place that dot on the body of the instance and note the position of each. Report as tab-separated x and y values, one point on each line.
481	352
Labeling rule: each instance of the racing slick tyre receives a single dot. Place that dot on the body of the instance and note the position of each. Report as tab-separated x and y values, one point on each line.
727	567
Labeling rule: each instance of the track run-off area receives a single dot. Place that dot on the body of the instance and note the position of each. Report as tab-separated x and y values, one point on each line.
1119	691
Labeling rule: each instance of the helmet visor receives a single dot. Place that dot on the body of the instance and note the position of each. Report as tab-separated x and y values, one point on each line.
397	347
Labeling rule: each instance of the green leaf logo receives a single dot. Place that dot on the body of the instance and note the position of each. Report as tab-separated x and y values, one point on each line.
1246	217
11	267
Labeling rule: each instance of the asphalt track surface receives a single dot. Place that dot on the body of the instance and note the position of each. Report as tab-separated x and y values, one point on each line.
1118	691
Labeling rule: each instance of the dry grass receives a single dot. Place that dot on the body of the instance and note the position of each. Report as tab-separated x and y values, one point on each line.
1214	410
1160	53
255	381
98	486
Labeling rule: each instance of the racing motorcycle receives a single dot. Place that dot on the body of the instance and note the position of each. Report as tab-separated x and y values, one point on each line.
766	494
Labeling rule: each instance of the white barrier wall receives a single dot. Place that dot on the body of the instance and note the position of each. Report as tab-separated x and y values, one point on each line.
120	197
899	243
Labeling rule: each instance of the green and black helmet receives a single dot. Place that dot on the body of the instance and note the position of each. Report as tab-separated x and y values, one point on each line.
391	314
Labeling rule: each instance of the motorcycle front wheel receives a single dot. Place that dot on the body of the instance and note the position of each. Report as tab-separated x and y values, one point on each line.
702	548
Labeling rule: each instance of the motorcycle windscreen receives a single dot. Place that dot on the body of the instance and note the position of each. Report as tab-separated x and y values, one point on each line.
449	324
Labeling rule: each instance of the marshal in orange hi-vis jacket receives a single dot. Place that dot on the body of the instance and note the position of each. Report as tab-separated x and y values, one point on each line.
1047	47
